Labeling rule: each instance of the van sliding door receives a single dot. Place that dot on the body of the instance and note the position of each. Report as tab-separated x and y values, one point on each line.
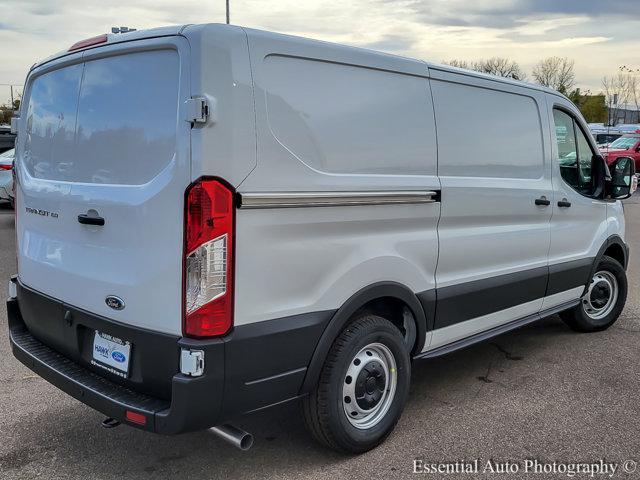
496	192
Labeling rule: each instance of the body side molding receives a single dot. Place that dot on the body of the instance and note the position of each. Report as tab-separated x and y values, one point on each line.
468	300
252	200
566	275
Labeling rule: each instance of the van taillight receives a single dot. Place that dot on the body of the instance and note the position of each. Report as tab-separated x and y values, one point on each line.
208	261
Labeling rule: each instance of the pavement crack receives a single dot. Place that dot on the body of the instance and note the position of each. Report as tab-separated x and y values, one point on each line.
484	378
629	330
438	400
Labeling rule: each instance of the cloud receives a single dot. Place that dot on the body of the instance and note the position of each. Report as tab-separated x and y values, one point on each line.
508	13
392	43
598	35
594	8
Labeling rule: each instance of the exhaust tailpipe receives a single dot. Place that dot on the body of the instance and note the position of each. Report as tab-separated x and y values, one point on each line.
235	436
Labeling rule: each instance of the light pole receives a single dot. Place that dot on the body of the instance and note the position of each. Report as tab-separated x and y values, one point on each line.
228	19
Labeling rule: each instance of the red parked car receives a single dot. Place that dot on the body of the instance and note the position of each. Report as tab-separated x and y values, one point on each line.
626	146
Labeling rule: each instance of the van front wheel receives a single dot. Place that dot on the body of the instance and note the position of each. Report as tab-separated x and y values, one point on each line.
362	389
603	301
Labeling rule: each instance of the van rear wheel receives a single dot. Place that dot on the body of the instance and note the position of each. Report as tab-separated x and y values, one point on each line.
603	301
362	389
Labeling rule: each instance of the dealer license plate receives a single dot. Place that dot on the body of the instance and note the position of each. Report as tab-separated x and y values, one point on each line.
111	353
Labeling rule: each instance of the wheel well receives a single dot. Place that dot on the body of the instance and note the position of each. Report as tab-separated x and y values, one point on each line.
390	300
616	252
397	312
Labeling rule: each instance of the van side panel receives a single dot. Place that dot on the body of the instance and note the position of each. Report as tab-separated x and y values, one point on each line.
335	119
226	146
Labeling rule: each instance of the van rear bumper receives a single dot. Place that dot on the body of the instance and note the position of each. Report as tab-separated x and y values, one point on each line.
194	404
252	368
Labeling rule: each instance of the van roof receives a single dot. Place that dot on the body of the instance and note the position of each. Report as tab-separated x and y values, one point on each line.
178	29
113	38
430	65
495	78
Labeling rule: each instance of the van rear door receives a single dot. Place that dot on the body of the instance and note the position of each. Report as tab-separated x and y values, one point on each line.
103	136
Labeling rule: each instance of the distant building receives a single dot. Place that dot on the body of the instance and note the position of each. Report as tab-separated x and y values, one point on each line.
627	113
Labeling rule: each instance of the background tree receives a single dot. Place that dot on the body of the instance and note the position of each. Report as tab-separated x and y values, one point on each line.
556	73
624	88
459	64
502	67
8	111
593	107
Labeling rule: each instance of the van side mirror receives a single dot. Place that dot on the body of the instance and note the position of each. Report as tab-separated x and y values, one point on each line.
623	181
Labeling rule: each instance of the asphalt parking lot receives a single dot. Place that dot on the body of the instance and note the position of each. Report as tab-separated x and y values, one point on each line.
542	392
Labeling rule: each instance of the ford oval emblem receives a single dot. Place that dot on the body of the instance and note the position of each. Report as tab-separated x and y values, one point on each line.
114	302
118	357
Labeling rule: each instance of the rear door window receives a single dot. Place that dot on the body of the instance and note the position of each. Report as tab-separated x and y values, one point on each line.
108	121
51	122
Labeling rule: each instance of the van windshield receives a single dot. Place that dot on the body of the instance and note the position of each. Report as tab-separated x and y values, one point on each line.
624	143
110	121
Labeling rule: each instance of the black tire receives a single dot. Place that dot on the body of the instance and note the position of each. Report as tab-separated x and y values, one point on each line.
323	409
579	320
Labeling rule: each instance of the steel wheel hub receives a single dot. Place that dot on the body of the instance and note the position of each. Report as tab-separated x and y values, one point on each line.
369	385
601	295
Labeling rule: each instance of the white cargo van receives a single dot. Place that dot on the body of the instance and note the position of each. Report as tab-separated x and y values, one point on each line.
212	220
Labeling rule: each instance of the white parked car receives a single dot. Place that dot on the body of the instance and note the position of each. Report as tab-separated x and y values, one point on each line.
275	218
6	175
628	128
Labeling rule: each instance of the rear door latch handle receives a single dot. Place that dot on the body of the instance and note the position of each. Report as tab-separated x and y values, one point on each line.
543	201
564	203
86	219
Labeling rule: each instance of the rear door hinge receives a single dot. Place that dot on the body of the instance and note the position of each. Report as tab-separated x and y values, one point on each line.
198	110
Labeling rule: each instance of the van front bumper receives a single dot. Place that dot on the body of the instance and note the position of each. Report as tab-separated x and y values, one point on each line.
250	369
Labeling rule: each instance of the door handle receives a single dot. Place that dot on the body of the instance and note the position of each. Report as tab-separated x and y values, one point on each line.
564	203
87	220
542	201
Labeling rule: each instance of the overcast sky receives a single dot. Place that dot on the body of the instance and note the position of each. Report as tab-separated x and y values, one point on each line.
600	35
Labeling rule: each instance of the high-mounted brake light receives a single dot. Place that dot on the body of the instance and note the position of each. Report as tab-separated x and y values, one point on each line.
88	42
208	262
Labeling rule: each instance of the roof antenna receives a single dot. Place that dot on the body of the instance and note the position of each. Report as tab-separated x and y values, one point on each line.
122	29
228	19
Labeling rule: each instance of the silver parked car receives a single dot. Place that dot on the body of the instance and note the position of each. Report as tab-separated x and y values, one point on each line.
6	175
